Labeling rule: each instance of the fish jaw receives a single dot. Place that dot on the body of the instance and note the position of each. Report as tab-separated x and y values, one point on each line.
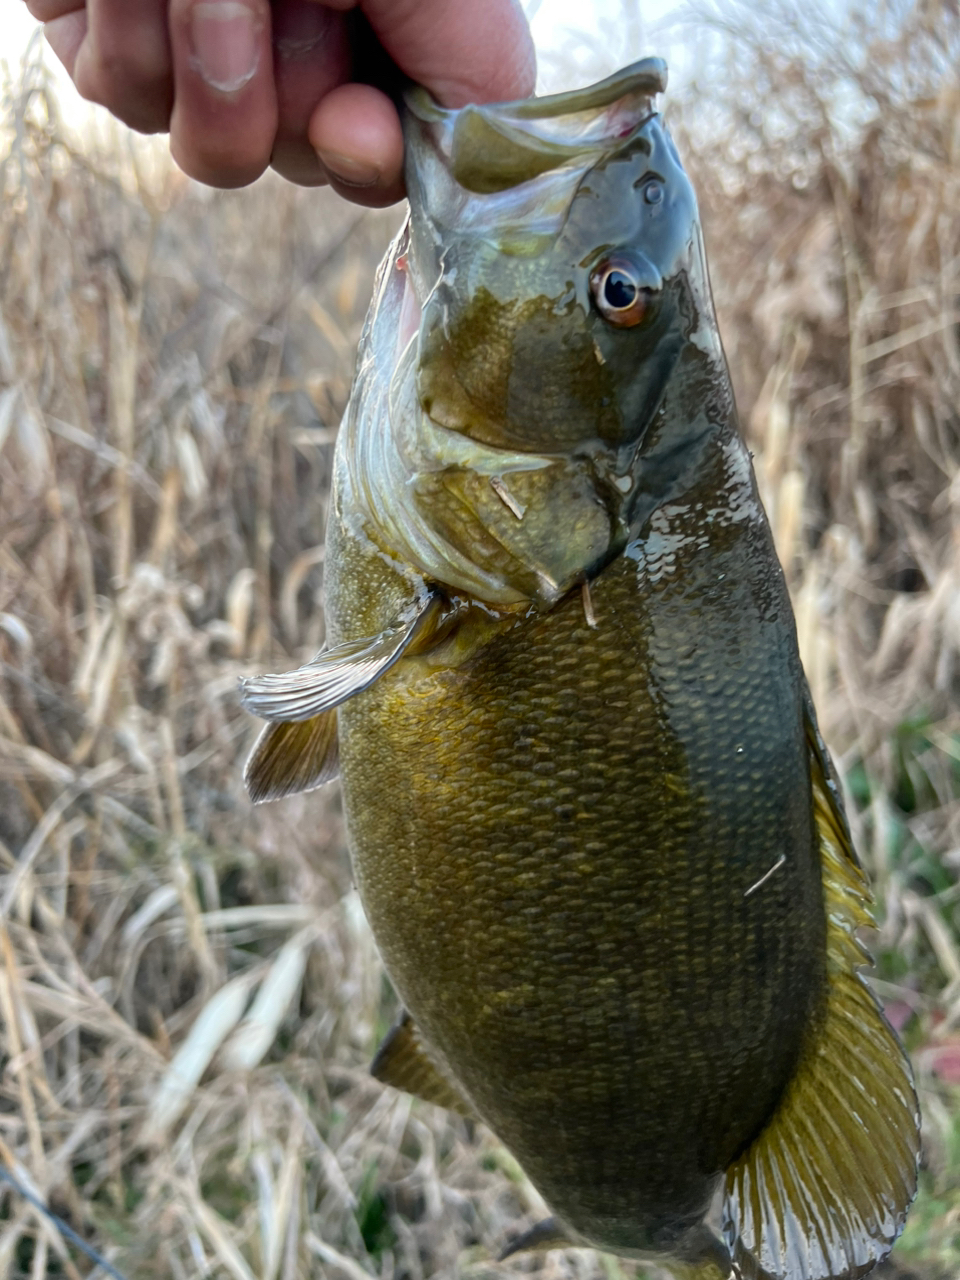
479	519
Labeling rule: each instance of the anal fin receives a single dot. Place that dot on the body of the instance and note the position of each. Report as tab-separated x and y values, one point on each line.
823	1190
705	1257
549	1233
293	756
403	1062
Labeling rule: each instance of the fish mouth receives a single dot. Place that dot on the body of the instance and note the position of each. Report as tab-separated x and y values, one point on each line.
497	146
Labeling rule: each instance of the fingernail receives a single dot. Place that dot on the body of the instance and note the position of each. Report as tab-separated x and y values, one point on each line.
226	43
355	173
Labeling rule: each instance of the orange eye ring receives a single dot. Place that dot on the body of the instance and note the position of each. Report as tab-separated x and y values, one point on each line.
620	293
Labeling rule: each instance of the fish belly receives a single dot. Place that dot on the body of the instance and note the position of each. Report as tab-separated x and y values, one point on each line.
588	858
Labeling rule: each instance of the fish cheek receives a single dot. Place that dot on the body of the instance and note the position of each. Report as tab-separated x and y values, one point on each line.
562	391
464	361
524	373
639	366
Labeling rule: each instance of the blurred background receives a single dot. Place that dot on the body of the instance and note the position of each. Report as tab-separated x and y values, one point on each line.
189	995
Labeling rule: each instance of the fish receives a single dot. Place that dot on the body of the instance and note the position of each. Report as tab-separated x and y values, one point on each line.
593	823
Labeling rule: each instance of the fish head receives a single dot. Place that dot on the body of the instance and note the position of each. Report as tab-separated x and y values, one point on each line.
550	259
505	424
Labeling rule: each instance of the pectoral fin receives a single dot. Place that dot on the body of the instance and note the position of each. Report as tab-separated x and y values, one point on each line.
293	756
339	673
403	1062
824	1189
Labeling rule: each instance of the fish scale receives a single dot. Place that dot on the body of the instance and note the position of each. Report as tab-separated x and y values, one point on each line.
593	824
653	906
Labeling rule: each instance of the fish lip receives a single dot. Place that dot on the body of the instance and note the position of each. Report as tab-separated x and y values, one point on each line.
411	315
647	75
495	147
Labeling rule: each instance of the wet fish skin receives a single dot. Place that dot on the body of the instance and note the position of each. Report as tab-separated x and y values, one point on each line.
560	896
601	849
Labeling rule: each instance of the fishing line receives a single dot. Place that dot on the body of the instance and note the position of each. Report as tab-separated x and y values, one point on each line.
64	1228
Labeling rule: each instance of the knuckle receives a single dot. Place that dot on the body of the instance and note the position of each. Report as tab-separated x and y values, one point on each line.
145	109
126	67
132	81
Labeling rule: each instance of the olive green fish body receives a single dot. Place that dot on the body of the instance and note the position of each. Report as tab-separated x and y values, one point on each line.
559	872
592	821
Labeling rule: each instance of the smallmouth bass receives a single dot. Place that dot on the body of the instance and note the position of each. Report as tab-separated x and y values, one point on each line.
593	824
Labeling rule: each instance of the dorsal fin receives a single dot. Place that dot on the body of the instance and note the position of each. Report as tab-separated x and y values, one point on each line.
823	1191
402	1061
340	673
293	756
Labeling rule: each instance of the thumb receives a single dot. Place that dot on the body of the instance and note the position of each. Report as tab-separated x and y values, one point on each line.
478	51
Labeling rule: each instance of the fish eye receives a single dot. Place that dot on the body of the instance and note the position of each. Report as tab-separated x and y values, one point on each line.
619	293
653	192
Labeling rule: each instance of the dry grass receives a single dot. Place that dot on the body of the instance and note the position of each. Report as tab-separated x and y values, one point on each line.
188	992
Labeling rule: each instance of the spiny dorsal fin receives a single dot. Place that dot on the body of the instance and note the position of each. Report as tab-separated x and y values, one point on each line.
403	1062
823	1191
339	673
293	756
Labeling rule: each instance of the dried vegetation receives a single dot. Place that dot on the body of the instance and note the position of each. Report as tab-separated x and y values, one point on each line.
188	992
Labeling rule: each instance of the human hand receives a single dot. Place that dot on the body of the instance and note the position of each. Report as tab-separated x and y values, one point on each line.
243	84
